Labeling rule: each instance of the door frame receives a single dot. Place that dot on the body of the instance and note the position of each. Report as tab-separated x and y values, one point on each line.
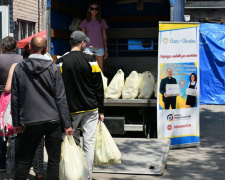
5	20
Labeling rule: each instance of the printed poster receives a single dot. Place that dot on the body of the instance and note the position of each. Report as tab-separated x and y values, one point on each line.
178	87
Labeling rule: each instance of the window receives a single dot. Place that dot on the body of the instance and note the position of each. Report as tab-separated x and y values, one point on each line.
26	29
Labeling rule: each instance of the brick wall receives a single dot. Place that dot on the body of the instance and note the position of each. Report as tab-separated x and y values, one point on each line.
28	10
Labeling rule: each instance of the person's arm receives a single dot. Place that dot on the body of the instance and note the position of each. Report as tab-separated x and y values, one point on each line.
9	79
83	26
61	101
98	87
15	102
105	44
162	87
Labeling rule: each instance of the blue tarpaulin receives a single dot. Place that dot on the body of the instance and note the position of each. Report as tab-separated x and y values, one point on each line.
212	63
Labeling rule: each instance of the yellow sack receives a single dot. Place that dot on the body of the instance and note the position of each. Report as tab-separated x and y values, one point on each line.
106	150
146	85
130	90
114	90
72	161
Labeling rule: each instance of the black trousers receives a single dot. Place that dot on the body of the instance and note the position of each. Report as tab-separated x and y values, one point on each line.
170	101
3	152
32	136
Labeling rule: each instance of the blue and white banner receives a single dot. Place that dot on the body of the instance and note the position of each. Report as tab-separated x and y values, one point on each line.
178	87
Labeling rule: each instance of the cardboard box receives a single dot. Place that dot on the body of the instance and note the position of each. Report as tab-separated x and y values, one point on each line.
192	92
172	89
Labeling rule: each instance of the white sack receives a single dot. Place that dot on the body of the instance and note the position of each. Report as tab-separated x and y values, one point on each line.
146	85
130	90
105	81
114	90
72	164
106	150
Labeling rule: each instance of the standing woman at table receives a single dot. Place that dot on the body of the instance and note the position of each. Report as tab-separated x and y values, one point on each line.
95	28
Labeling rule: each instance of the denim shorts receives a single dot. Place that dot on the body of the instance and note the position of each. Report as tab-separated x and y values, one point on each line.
94	51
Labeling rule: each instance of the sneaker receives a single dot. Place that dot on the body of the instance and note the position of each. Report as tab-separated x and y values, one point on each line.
2	170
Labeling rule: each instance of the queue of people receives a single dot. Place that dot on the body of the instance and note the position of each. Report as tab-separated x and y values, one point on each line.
44	101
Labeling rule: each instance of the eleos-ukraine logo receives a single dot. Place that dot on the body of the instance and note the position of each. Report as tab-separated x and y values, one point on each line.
165	40
170	118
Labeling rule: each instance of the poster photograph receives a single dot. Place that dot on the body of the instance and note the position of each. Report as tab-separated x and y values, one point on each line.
182	90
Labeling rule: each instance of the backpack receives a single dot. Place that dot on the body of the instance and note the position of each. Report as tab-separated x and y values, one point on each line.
6	128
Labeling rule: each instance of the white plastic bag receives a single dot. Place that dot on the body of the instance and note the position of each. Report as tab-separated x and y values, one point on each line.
72	162
106	150
105	81
75	24
146	85
114	90
155	89
130	90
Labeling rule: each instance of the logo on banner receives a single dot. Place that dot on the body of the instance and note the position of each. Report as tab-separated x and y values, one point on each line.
182	83
165	40
183	126
170	118
169	127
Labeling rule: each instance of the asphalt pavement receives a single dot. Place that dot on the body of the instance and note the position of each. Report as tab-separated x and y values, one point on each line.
206	162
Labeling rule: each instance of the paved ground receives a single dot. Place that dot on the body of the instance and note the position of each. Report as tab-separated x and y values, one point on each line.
206	162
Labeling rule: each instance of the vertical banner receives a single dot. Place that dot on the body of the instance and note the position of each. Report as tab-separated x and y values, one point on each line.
178	87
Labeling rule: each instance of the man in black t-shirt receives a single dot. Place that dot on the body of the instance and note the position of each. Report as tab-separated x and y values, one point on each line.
84	90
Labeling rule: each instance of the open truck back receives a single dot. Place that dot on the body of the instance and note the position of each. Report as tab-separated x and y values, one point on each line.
129	21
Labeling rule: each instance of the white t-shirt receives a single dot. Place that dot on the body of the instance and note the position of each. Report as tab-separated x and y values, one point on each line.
193	83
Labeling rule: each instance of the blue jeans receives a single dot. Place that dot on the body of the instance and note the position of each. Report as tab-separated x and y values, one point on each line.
94	51
3	153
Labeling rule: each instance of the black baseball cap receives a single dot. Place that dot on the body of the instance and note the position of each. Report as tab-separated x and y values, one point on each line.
78	36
